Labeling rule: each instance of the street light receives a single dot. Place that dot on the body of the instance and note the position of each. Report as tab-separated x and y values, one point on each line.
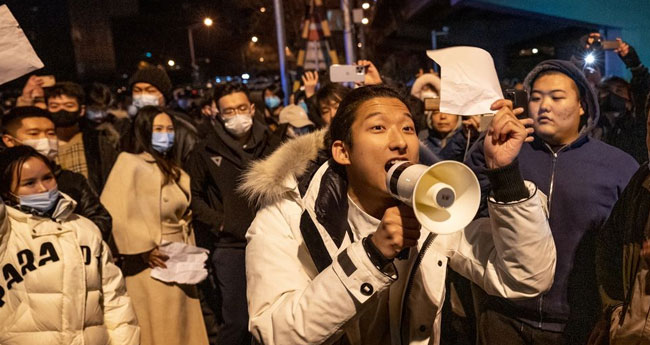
365	5
195	67
171	63
365	21
254	39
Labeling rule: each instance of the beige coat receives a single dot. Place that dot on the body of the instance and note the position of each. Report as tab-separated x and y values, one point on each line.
144	213
141	178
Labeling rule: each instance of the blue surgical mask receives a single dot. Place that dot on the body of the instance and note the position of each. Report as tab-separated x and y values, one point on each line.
42	202
303	105
272	102
96	115
162	142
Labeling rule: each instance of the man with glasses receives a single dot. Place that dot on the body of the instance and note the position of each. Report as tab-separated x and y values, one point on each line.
221	214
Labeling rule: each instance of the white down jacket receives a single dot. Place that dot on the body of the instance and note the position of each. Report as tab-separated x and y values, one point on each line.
58	284
511	254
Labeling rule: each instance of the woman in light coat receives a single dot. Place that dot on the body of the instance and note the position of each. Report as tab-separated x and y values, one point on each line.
59	283
148	196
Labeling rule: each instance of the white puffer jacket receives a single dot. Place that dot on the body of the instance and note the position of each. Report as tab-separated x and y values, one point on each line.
511	254
58	283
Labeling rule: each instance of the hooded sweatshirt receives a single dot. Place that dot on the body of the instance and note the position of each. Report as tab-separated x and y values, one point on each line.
583	180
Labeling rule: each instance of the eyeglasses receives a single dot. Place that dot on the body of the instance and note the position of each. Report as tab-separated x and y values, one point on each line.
240	109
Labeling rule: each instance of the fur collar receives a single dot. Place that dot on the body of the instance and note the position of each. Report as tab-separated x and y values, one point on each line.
267	181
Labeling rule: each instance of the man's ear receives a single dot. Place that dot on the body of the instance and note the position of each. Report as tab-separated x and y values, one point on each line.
341	153
8	140
253	108
82	111
582	111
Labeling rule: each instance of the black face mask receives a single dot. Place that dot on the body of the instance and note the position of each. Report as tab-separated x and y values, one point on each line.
613	103
64	118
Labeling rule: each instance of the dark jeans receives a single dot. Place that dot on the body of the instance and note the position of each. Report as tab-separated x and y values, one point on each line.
495	328
230	270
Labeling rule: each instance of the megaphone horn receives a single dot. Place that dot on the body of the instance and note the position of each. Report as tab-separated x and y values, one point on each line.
444	196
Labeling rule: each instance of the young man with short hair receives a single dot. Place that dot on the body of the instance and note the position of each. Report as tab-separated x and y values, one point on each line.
326	259
33	126
82	148
583	178
221	215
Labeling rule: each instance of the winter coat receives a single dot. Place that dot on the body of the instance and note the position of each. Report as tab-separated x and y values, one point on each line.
583	180
618	258
308	282
221	215
76	186
133	196
60	285
434	143
102	144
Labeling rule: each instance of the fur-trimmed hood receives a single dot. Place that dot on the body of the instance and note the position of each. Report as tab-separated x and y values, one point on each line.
268	181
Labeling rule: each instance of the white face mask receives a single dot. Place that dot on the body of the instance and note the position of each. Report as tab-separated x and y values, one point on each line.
145	99
428	94
45	146
239	124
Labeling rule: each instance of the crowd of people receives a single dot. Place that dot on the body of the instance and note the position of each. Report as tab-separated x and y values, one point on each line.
306	244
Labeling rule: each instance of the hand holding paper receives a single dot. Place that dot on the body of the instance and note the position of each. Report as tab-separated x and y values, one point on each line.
469	80
506	135
185	264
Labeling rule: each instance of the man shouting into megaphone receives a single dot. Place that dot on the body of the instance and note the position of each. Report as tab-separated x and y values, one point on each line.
326	259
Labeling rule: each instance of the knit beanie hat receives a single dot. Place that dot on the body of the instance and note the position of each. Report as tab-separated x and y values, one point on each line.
154	76
588	97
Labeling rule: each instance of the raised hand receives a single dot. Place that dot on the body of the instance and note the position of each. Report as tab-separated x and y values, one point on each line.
310	80
506	135
372	74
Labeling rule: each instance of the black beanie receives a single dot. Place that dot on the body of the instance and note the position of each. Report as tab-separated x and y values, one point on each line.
154	76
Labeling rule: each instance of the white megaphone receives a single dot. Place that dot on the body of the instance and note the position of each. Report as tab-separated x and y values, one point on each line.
444	196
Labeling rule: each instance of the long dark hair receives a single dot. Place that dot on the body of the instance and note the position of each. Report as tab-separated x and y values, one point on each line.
142	128
11	161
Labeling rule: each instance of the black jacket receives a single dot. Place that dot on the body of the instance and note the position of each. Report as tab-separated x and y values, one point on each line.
76	186
221	215
102	144
622	237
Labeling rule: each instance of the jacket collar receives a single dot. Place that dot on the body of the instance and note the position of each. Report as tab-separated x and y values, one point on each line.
324	225
540	144
61	213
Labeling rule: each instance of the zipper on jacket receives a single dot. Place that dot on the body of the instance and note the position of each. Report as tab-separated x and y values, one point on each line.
409	283
550	189
548	204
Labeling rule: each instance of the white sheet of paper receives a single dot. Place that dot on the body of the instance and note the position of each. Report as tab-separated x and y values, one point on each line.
469	80
17	57
186	264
